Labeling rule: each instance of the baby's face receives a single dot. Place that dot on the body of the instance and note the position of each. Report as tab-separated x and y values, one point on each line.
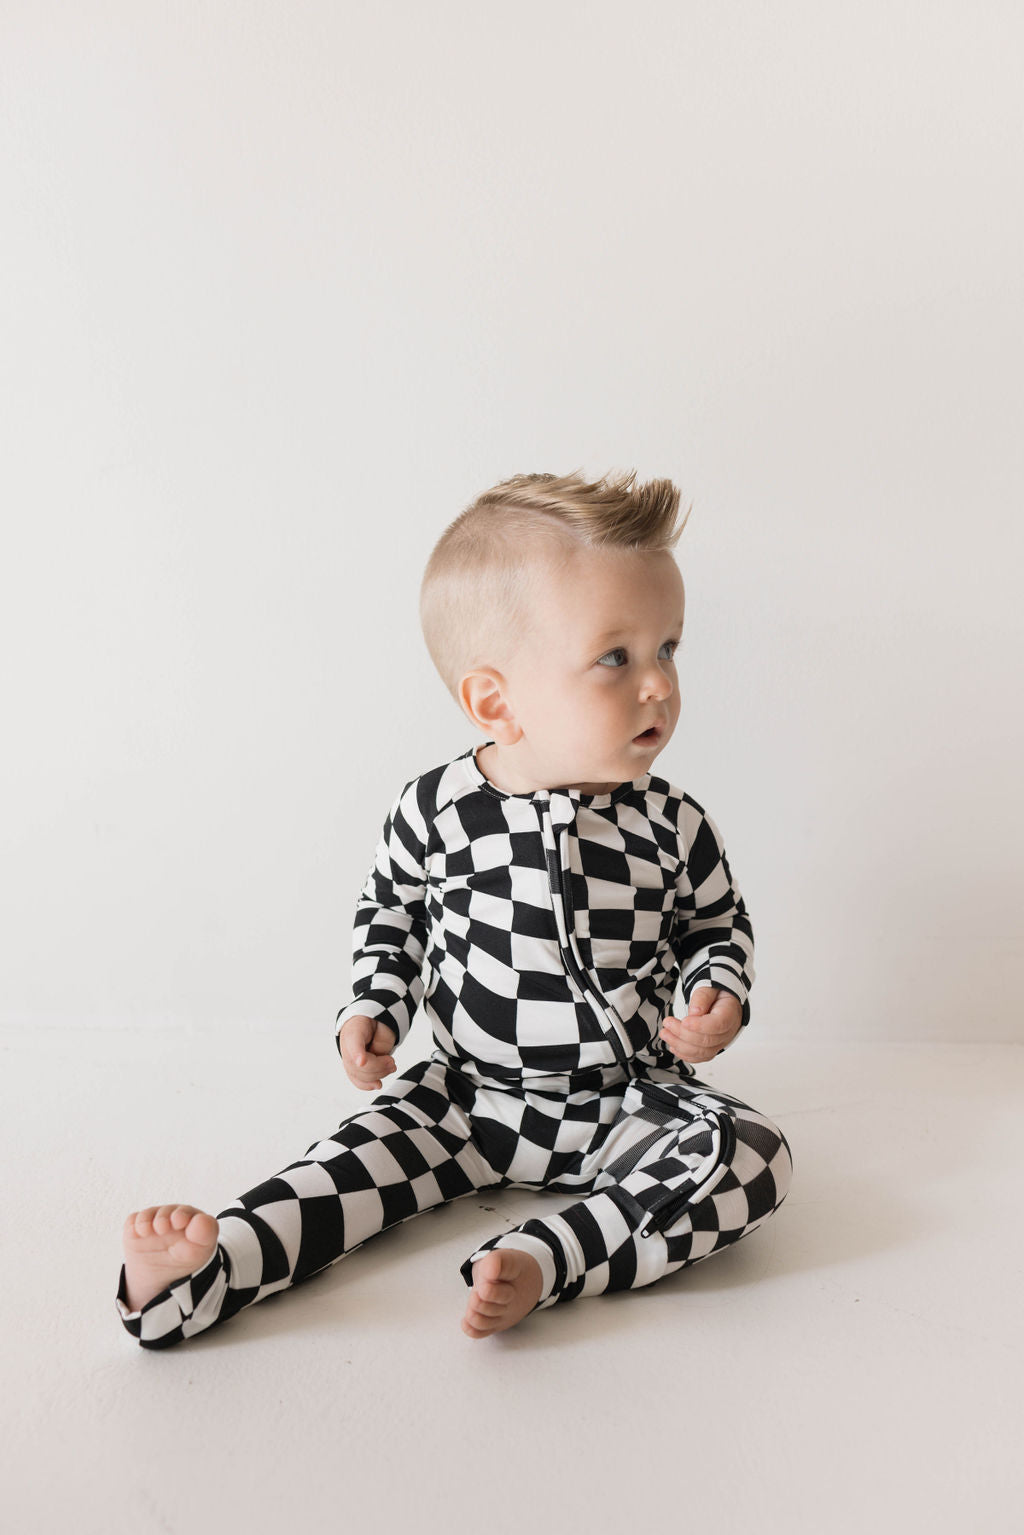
598	669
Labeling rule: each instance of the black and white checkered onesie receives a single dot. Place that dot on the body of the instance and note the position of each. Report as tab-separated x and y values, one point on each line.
543	935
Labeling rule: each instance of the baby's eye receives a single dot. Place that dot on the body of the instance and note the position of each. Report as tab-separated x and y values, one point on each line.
620	651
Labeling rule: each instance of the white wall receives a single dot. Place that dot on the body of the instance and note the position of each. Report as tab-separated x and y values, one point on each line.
286	285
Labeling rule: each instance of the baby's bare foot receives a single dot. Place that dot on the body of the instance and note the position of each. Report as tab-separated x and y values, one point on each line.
506	1285
164	1243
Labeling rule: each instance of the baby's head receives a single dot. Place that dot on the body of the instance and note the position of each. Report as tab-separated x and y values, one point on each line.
552	609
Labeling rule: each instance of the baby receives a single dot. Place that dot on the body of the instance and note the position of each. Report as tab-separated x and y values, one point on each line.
539	898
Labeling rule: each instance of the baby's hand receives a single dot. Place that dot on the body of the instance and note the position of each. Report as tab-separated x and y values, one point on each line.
366	1044
713	1019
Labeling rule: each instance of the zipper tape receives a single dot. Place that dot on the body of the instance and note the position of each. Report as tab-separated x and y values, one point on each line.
666	1209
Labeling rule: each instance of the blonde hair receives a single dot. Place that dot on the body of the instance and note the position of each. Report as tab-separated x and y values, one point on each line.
475	592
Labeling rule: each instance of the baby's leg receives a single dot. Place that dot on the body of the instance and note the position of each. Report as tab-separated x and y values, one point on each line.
685	1172
408	1152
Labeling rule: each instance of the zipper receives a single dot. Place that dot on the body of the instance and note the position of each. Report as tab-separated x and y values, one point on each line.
565	923
670	1205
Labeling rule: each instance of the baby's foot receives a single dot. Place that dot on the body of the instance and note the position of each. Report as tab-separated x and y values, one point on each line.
506	1285
162	1244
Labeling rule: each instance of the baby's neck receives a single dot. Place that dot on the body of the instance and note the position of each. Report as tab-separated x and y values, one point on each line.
497	773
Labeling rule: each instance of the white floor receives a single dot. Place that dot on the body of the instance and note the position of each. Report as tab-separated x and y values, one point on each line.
854	1366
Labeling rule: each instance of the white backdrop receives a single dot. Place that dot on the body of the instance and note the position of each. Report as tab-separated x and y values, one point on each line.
286	285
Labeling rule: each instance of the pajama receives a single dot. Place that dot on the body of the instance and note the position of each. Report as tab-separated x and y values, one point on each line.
544	935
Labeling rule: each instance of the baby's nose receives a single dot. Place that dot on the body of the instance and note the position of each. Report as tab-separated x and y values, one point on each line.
658	685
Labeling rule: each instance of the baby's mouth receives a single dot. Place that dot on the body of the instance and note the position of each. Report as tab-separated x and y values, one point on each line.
648	738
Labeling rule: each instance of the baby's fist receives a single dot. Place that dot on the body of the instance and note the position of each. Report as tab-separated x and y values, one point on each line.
366	1044
713	1020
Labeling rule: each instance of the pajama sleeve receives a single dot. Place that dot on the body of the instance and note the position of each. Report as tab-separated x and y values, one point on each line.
712	938
389	934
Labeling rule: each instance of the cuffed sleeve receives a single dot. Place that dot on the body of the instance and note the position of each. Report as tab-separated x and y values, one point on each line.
712	937
389	933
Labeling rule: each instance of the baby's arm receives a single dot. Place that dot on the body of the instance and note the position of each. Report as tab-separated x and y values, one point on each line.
389	934
712	938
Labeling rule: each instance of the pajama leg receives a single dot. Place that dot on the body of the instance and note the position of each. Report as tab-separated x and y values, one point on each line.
684	1171
408	1152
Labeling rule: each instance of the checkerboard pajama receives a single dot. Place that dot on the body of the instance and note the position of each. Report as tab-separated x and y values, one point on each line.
544	935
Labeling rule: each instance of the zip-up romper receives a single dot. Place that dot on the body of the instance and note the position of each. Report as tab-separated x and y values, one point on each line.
544	935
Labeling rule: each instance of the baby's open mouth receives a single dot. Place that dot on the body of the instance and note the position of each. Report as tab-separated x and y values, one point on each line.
648	737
